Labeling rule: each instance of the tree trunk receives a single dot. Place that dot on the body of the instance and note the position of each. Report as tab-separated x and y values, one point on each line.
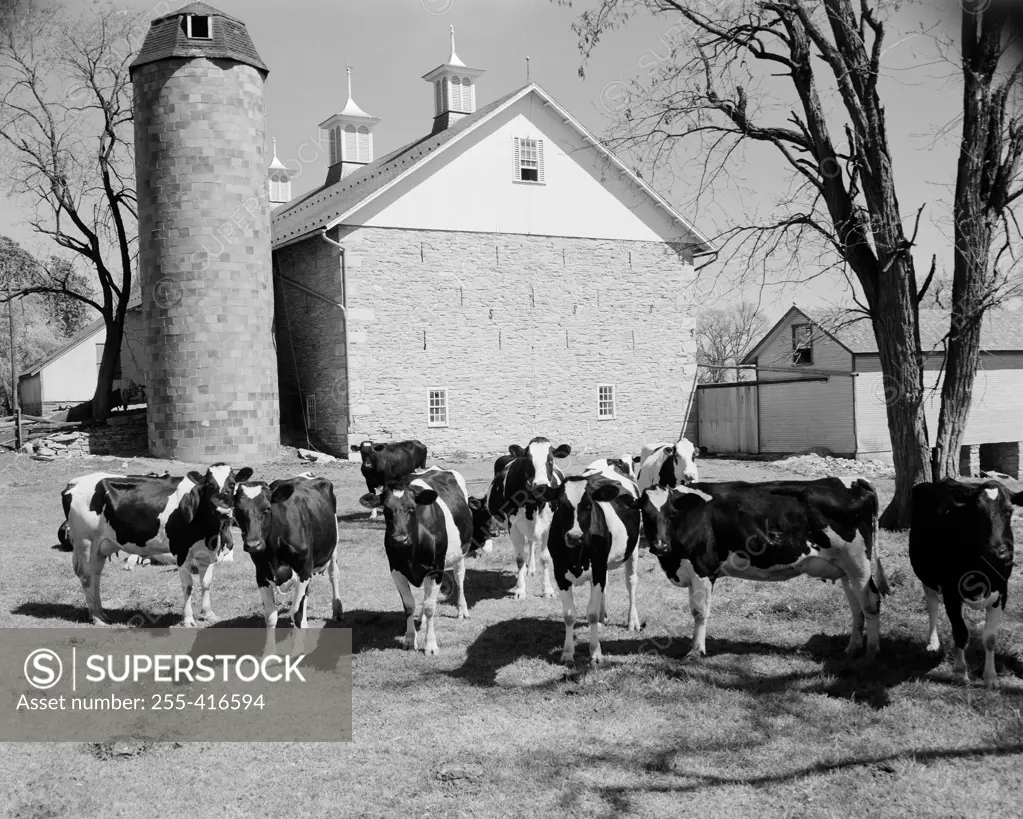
101	401
898	343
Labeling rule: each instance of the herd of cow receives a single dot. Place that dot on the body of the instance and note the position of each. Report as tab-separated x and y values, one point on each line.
580	526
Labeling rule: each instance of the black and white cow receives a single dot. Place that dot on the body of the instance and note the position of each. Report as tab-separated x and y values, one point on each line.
961	548
666	464
594	530
770	532
389	462
429	530
289	528
623	466
516	500
188	517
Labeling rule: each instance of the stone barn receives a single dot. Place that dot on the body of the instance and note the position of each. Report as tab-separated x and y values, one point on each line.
501	277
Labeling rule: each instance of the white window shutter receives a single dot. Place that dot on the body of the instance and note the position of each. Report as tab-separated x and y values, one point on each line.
518	168
539	160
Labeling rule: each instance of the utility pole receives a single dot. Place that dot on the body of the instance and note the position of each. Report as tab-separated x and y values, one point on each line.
15	406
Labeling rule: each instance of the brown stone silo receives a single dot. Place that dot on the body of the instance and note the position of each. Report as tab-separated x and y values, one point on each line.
204	239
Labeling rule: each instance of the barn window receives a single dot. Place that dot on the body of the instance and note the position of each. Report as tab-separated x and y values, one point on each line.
310	411
197	27
438	408
802	344
605	401
528	160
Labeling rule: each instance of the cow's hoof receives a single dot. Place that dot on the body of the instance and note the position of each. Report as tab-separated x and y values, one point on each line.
431	650
596	659
635	625
100	620
548	594
568	657
339	611
933	647
694	656
463	615
518	594
188	624
852	650
209	617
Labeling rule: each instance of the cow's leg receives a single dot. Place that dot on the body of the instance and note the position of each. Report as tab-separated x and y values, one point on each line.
568	610
334	570
932	599
376	509
631	581
299	617
266	595
858	577
408	603
593	617
299	590
960	631
856	609
87	562
992	621
699	604
518	540
185	575
205	565
463	607
545	565
431	588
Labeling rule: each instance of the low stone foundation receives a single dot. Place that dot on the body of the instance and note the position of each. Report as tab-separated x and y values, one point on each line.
1002	457
969	461
123	435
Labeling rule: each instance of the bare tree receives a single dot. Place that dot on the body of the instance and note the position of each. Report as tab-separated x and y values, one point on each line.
801	77
723	338
988	182
66	134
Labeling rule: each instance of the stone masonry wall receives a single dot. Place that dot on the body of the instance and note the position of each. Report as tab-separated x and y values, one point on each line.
519	329
204	250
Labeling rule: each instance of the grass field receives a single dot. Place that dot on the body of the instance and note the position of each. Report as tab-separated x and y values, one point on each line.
773	722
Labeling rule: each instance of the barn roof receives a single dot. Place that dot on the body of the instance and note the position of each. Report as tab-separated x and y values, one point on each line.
229	39
336	200
84	334
1002	330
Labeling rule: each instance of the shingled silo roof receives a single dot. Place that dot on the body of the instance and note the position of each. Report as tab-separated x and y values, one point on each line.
229	39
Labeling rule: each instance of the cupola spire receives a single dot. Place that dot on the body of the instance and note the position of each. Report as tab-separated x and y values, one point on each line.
351	137
454	89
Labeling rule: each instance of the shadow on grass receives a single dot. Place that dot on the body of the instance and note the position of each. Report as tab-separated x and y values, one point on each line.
360	520
620	796
485	584
501	644
80	614
374	629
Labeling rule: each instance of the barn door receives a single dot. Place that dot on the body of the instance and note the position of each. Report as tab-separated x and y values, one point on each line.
727	418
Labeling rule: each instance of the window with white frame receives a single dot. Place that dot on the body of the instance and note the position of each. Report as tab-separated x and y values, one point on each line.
437	408
802	344
310	411
605	401
197	27
529	160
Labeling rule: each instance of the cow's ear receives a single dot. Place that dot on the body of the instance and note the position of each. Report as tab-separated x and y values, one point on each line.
378	447
516	451
605	493
1017	499
370	500
634	503
197	478
425	497
551	493
670	452
475	503
686	502
282	492
355	447
243	474
562	451
636	459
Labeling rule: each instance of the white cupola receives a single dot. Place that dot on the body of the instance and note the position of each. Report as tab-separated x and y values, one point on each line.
350	134
279	181
454	89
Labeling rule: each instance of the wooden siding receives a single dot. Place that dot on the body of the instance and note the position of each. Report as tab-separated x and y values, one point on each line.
30	394
994	413
728	419
828	354
797	416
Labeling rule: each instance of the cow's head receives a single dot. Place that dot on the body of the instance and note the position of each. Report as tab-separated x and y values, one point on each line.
252	511
216	504
655	507
365	449
399	502
669	523
538	458
484	525
573	504
684	460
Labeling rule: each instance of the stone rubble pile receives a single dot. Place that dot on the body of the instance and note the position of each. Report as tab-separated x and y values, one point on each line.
121	435
820	466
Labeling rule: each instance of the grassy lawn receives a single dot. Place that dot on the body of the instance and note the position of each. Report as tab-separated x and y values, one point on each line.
773	722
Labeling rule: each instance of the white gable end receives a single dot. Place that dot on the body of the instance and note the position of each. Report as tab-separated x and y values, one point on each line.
470	187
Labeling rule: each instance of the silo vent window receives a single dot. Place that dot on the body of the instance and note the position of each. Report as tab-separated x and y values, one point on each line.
197	26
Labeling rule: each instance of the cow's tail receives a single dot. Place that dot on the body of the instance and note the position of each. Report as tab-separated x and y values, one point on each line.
877	576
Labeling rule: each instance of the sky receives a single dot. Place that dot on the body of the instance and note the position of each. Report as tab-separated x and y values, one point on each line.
390	44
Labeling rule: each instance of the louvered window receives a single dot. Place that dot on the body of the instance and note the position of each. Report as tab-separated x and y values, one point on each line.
363	139
529	160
